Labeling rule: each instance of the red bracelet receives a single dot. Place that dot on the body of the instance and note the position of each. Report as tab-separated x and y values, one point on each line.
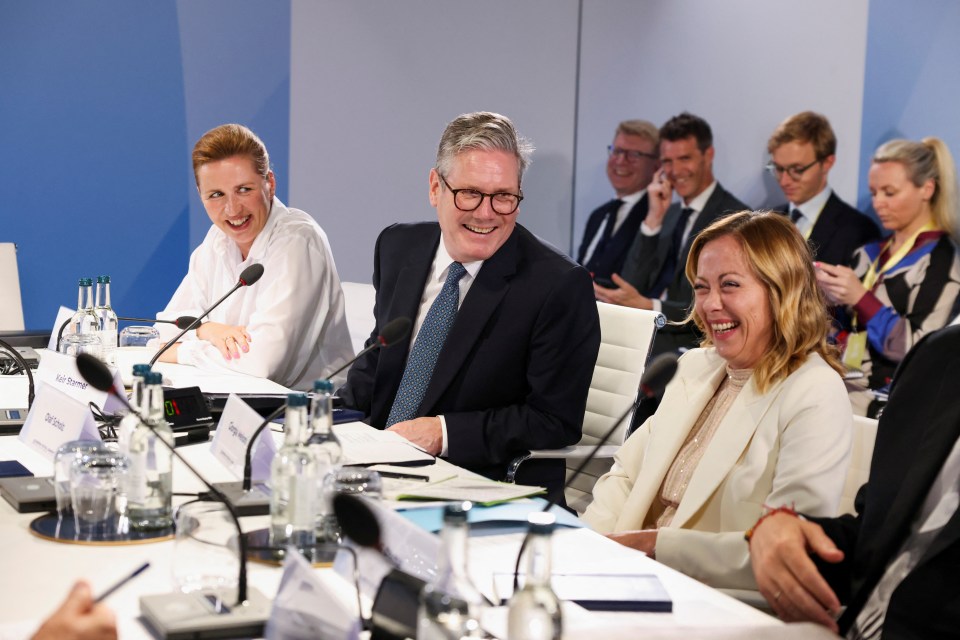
788	510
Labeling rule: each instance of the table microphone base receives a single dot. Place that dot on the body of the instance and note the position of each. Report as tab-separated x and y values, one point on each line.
183	616
255	502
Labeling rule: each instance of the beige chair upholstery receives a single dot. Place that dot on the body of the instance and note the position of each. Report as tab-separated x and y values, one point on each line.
626	338
11	306
864	435
359	299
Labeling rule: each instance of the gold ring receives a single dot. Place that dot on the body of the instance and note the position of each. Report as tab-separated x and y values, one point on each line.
776	598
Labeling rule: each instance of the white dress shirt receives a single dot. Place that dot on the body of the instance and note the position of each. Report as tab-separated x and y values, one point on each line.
810	211
294	313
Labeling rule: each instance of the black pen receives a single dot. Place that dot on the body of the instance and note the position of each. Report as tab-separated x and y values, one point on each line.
404	476
122	582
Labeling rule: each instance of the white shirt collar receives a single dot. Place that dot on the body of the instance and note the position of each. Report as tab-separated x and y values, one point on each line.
699	202
633	198
442	262
811	208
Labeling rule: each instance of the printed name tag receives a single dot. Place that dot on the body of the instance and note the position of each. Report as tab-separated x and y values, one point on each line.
60	372
54	420
229	446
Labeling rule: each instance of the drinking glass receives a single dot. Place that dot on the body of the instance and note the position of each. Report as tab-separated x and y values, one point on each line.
96	478
73	344
206	553
66	455
137	336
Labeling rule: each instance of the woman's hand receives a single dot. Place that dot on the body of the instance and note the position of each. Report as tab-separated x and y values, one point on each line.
644	540
229	339
840	284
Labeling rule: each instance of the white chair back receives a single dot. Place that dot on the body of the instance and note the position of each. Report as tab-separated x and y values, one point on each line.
11	305
864	436
626	338
359	299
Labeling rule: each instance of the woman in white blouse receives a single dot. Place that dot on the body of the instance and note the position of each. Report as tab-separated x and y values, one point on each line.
290	326
757	417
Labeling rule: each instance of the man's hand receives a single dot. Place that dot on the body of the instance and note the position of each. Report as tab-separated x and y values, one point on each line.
229	339
78	618
840	284
786	576
426	433
643	540
625	295
659	196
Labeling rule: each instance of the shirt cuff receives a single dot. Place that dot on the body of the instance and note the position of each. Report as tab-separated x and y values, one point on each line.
444	447
657	304
649	231
867	307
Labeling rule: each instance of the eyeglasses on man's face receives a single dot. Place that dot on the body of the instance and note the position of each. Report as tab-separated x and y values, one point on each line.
502	203
629	154
795	171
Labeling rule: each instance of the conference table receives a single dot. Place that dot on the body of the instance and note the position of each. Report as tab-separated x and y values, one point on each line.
37	573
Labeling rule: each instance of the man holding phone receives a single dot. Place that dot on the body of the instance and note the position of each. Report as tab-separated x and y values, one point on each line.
653	273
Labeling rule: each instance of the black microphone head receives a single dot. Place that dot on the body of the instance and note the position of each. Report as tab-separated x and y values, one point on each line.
94	372
395	331
658	374
184	321
251	274
356	520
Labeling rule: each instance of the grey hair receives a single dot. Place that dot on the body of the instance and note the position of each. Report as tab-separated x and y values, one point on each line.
929	159
486	131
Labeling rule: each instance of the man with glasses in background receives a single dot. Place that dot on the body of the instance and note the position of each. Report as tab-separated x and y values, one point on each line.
611	228
506	331
802	152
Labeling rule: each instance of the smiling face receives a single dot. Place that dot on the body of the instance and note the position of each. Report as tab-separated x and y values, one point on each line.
630	176
689	170
475	235
901	206
236	198
812	181
732	303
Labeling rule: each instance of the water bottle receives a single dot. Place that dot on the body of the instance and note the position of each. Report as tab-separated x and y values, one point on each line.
130	421
107	320
450	605
293	481
149	502
328	453
85	320
534	611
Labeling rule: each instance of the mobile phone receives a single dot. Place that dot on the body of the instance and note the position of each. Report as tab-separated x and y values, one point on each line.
606	283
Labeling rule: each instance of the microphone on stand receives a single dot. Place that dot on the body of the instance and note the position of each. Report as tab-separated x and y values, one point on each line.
181	322
191	615
248	276
249	503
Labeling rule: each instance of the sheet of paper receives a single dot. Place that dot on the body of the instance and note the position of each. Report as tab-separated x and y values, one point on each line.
371	446
480	491
218	381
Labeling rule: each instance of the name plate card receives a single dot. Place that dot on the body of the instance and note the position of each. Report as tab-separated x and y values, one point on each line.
237	424
55	419
63	314
60	372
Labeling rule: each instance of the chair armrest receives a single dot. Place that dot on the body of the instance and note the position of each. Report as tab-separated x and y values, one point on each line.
576	451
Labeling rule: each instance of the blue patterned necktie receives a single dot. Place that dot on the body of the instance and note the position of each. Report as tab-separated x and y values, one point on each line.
426	348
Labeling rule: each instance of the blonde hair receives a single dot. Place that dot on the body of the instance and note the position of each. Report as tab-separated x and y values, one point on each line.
641	128
780	258
806	126
230	140
929	159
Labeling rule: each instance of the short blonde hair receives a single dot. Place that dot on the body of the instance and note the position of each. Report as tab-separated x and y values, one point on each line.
781	259
230	140
641	128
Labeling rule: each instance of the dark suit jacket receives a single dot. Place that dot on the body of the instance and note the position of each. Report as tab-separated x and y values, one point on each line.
648	256
514	372
611	259
916	433
840	230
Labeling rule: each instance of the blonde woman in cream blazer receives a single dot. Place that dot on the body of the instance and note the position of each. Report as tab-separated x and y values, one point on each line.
783	440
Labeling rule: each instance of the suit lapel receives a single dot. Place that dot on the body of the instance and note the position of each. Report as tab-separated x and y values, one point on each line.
492	283
731	438
686	404
826	225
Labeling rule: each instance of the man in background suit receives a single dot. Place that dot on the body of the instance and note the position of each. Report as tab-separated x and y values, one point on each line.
612	227
802	152
512	369
653	275
895	565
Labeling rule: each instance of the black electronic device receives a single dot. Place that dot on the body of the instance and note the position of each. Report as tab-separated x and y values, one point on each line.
29	495
186	408
11	421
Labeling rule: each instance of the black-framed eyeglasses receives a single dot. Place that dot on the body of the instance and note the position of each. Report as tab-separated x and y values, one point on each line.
629	154
794	171
502	203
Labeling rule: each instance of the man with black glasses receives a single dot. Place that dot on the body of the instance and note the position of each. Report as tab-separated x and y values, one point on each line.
505	333
633	159
802	152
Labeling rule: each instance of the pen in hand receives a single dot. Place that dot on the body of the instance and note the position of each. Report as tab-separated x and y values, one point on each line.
122	582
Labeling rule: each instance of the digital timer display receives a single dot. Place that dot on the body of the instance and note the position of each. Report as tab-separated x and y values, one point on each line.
185	407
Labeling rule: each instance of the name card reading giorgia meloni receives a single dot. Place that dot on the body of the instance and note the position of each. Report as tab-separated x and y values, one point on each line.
237	423
60	372
55	419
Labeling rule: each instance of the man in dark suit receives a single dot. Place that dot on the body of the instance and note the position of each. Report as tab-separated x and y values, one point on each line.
507	366
895	565
653	275
612	227
802	152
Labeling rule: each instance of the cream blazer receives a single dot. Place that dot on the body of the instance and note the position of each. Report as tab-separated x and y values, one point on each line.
788	446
